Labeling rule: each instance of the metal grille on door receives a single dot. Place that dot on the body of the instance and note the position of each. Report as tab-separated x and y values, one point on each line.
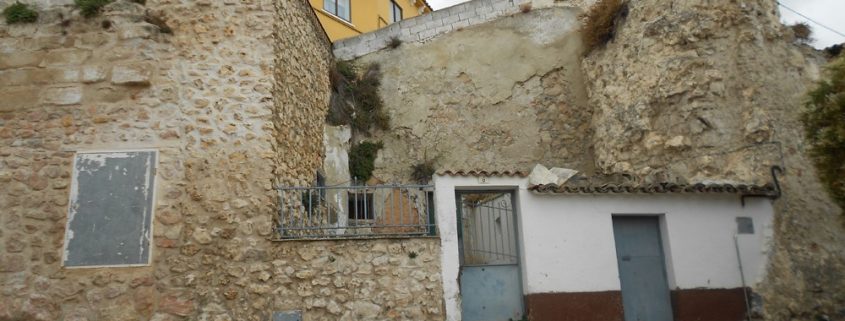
487	224
491	288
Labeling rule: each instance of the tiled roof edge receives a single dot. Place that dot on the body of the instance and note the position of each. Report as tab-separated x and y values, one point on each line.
483	173
658	188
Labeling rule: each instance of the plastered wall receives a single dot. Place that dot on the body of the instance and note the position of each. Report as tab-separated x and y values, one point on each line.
567	245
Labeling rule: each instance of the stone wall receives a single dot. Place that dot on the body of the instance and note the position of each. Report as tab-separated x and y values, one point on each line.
714	93
303	90
433	24
234	99
502	95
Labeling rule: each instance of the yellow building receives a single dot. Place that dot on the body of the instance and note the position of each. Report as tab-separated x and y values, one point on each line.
349	18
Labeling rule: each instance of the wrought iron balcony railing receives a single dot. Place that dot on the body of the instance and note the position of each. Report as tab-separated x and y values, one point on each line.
327	212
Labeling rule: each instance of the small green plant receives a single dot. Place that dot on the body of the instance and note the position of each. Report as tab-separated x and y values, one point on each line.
346	70
20	13
412	255
824	124
602	21
332	259
802	31
362	159
91	8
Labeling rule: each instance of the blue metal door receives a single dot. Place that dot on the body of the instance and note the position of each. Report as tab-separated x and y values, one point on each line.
642	270
491	286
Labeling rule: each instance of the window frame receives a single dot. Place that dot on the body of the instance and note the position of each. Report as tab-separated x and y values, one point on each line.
154	196
334	11
393	7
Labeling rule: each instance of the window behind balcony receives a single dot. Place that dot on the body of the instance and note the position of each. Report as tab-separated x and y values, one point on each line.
396	12
339	8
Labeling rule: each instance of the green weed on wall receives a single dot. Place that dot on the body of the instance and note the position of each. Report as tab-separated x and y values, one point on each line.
824	122
362	159
19	13
90	8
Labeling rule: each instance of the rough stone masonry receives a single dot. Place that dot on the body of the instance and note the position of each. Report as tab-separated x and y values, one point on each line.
234	100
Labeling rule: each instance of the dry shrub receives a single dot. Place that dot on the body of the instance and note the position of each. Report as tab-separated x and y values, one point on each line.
525	7
834	51
157	20
355	100
340	108
802	31
394	42
602	21
422	172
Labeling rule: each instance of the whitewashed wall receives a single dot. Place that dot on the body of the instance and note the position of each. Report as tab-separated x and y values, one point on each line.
567	244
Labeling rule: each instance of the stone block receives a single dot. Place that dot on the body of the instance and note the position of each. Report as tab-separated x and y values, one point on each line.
21	59
483	9
62	95
9	45
12	263
466	15
176	305
18	98
140	30
451	19
17	77
417	28
61	75
60	57
131	75
443	29
426	34
92	74
460	24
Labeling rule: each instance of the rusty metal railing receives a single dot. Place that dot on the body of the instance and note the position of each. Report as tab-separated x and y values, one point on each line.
327	212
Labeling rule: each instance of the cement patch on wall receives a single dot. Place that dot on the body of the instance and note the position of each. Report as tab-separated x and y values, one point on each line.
454	101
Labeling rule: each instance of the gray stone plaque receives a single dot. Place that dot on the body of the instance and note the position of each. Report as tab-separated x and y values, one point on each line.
111	209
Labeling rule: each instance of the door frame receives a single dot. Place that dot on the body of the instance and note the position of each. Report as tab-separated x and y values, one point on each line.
517	218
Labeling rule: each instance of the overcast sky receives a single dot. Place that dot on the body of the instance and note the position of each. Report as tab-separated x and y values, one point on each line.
828	12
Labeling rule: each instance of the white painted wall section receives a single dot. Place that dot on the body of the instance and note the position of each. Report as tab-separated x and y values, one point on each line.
566	241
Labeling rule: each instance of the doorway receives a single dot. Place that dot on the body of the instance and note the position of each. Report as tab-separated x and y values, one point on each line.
490	279
642	268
